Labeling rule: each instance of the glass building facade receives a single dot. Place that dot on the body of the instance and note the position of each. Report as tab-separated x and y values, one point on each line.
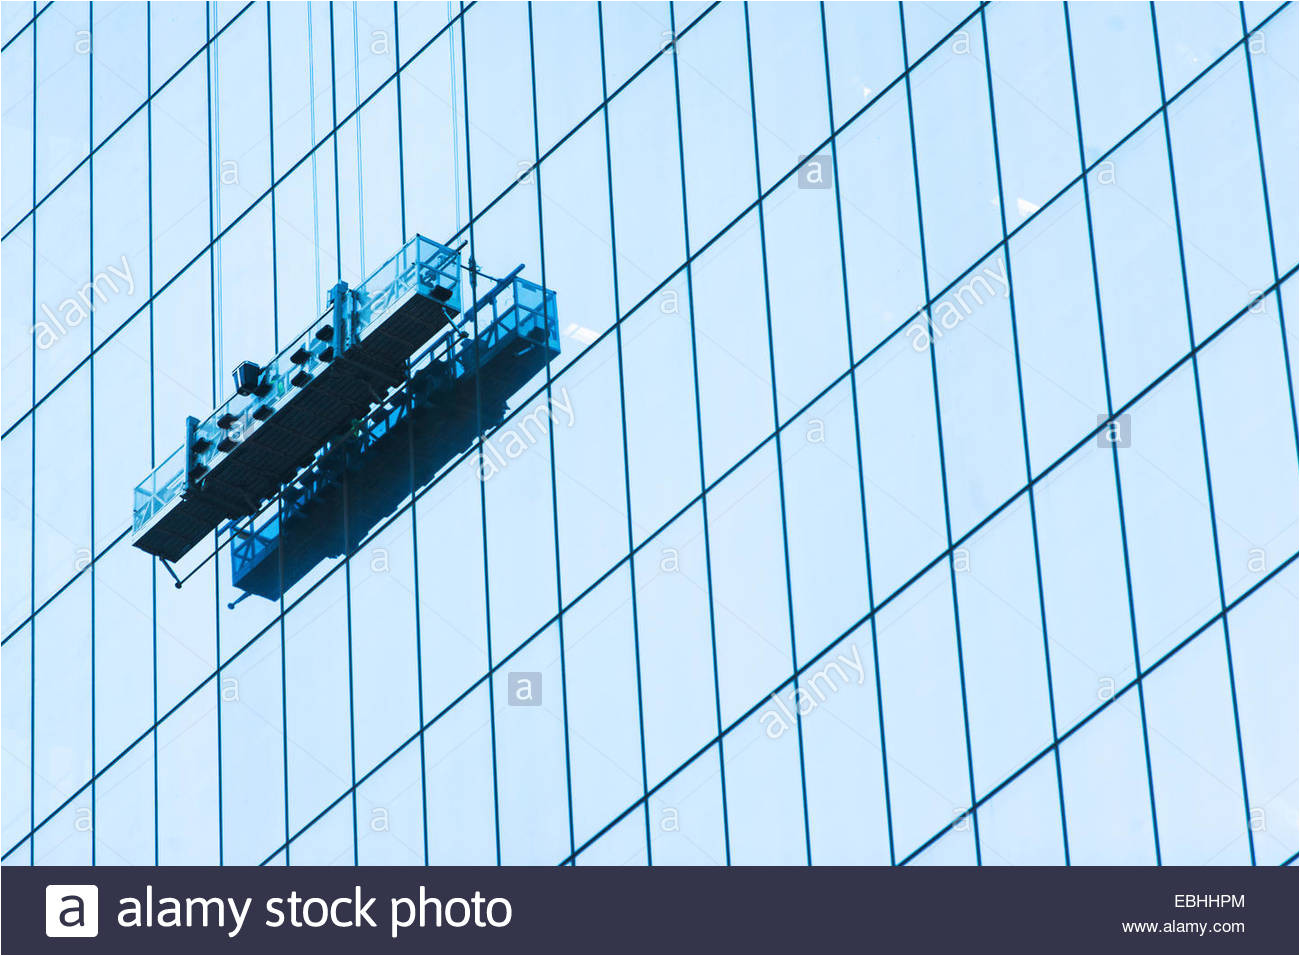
915	482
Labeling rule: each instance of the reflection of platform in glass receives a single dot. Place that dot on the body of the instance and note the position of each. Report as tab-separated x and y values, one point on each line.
403	443
284	413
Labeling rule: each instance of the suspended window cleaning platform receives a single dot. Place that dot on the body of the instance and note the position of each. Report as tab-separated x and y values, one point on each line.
330	385
458	388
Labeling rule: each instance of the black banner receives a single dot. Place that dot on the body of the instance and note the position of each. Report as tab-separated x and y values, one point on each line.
639	910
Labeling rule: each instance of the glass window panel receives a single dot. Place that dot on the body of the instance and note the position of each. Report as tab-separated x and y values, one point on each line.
461	778
531	745
124	660
602	692
659	394
879	213
959	190
766	815
955	848
1115	69
979	402
16	721
1252	456
750	606
1107	799
390	818
319	727
18	339
566	56
1056	323
61	319
16	461
842	755
735	375
634	33
124	810
686	824
62	93
178	31
1084	589
622	845
1167	518
591	497
1138	268
823	507
920	685
1034	102
1225	235
807	301
900	462
1002	647
19	117
647	182
1192	35
189	828
789	76
1263	630
1273	67
252	754
386	669
579	267
865	53
677	676
240	121
1194	760
453	610
1021	826
717	123
516	470
928	23
119	62
62	486
180	173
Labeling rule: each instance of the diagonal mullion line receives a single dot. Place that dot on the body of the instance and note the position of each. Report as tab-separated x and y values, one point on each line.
1110	411
871	615
1274	289
1205	447
938	423
1002	244
1024	439
975	804
203	51
993	515
29	23
975	529
310	156
1136	681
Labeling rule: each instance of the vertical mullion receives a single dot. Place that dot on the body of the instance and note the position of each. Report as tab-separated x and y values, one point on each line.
346	483
213	370
1200	419
857	431
550	438
776	437
1114	450
1268	217
938	422
622	410
478	425
279	504
1024	438
31	583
